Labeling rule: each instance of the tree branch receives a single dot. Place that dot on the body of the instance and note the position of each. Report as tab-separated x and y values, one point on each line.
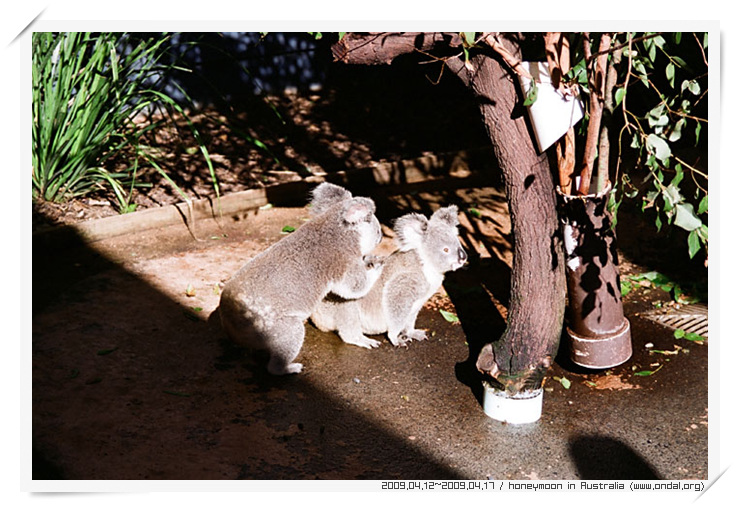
382	48
597	87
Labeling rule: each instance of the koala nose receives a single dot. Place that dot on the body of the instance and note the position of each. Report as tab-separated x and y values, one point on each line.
462	255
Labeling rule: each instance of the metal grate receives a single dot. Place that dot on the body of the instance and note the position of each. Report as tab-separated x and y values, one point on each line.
692	318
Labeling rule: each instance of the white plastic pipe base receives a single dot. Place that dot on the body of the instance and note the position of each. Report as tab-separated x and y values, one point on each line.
524	407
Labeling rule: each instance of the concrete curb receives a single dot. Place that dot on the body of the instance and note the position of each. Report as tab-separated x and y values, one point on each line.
458	166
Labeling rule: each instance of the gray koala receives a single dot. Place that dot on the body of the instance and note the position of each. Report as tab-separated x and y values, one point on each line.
427	249
265	304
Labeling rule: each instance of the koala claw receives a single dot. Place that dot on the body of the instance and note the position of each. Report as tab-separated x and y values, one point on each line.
365	342
401	341
416	335
285	370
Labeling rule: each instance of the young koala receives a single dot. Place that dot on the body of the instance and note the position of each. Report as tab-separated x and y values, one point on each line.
428	248
265	304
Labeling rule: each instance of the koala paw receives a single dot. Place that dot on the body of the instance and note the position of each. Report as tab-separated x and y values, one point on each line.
416	334
365	342
373	262
401	340
285	370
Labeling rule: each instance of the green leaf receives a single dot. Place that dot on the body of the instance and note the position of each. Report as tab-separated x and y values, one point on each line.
658	146
619	95
647	373
671	196
676	131
697	132
694	337
694	243
686	218
692	85
450	317
531	95
681	62
626	287
563	382
670	73
468	38
287	229
679	333
676	181
703	205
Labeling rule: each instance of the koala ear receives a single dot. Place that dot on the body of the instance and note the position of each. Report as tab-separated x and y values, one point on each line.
410	231
326	195
358	210
448	215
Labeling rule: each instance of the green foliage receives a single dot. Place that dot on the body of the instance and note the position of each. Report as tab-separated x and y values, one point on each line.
688	294
87	90
662	98
659	109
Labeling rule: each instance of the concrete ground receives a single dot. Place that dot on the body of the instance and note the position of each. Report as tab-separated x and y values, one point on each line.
131	380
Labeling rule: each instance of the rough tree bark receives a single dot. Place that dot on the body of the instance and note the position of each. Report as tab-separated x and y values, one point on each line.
520	357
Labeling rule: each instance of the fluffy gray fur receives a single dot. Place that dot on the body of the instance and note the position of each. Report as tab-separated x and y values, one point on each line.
427	249
264	305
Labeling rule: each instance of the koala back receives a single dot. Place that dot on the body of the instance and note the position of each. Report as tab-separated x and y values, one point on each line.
294	274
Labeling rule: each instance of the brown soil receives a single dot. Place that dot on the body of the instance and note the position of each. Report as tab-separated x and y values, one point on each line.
359	118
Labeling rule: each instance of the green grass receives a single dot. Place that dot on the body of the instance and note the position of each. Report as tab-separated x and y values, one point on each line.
87	90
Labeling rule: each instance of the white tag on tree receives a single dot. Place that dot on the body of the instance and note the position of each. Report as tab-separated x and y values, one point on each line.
552	113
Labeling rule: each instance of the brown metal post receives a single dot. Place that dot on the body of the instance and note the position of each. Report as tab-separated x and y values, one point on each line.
598	332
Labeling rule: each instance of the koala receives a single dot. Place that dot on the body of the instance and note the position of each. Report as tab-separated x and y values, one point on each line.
264	305
427	249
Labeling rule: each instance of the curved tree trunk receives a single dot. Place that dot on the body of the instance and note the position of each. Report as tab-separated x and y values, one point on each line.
538	287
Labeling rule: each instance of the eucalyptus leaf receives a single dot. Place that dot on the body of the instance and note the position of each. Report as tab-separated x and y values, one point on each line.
694	243
450	317
686	218
658	146
671	196
619	95
626	287
468	38
676	131
703	205
694	337
670	73
531	95
697	132
692	86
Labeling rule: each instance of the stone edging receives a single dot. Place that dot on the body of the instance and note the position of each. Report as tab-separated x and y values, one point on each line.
458	166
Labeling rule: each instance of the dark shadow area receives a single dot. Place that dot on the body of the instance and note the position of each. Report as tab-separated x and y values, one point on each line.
602	458
128	384
483	281
481	321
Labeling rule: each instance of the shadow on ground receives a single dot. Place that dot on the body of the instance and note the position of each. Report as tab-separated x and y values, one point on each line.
131	381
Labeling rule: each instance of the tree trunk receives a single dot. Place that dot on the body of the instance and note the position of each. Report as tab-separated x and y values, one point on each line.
538	288
519	359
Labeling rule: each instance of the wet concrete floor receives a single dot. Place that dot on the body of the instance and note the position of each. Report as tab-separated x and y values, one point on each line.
132	380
